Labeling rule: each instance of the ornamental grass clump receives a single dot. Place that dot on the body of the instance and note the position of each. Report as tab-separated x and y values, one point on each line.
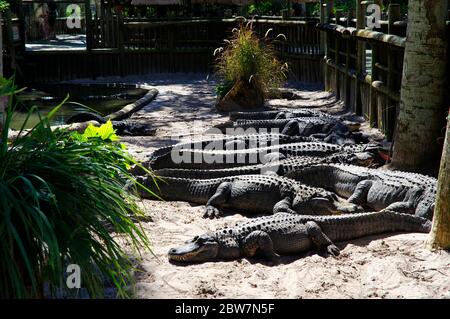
245	57
64	200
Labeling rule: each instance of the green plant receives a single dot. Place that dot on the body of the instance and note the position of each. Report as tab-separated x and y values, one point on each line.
263	7
64	201
223	88
248	58
4	5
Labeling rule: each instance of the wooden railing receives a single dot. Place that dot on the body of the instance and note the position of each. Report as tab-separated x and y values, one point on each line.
368	84
364	67
118	46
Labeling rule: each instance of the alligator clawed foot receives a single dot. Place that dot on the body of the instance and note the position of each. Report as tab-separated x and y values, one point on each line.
353	209
333	250
211	212
274	260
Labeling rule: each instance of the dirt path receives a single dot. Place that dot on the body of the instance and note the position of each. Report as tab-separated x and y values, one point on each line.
388	266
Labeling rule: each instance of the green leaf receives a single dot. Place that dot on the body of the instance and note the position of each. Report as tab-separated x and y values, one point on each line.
53	112
106	132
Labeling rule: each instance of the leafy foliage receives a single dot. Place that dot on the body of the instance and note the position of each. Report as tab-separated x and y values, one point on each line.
64	201
264	7
246	57
4	5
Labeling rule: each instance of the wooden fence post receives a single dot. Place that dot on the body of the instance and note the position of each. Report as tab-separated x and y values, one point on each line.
9	39
337	49
324	44
393	15
329	10
21	16
322	20
171	47
88	23
360	55
348	78
120	42
338	16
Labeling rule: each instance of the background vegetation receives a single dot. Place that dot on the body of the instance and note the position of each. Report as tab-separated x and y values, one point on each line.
248	58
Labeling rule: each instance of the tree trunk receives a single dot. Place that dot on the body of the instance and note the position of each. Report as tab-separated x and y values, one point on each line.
422	106
440	233
2	105
1	47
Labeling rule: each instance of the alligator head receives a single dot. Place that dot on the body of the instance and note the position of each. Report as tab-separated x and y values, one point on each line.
365	154
197	250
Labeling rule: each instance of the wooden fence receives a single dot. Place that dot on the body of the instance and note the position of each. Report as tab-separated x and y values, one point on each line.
118	46
364	67
368	84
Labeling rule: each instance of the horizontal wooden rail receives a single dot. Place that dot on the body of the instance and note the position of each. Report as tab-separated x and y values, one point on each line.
364	34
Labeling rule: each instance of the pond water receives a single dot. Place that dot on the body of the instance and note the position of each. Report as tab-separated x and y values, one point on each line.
104	99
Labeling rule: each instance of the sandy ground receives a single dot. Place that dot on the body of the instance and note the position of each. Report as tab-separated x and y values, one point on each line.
387	266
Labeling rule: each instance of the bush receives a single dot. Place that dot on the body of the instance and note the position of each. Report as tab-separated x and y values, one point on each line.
62	195
246	57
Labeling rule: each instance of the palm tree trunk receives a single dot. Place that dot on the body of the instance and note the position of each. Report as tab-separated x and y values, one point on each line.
2	105
422	107
440	233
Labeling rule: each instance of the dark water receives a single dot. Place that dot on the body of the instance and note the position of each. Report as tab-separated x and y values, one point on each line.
101	98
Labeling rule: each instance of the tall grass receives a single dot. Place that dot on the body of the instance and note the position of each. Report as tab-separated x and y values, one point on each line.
61	195
249	58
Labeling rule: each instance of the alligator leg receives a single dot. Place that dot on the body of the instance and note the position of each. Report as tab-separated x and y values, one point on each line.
319	238
401	207
284	206
219	198
291	128
259	242
359	196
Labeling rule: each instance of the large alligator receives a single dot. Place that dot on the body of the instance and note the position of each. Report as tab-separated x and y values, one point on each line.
281	167
287	234
234	142
329	129
257	194
277	114
376	189
217	159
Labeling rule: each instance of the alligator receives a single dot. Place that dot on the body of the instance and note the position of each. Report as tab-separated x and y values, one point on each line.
306	126
281	167
234	142
376	189
124	127
216	159
277	114
257	194
286	234
329	129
